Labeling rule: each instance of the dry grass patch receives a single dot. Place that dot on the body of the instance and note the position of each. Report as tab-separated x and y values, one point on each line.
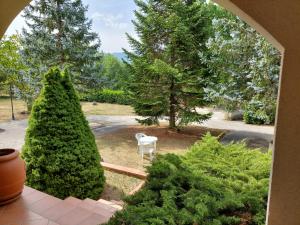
106	109
117	186
5	109
120	147
87	107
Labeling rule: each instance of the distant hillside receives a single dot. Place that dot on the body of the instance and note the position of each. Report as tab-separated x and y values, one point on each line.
120	55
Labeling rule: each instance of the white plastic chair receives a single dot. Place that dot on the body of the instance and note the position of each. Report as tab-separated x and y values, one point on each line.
146	147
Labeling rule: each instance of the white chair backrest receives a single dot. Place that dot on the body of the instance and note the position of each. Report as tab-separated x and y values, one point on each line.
138	136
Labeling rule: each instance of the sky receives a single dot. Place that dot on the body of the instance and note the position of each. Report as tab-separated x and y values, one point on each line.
111	20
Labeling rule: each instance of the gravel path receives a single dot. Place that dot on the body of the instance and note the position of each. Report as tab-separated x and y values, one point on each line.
13	136
14	131
255	136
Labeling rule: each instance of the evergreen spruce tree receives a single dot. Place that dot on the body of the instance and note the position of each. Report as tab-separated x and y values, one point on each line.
169	76
58	33
60	150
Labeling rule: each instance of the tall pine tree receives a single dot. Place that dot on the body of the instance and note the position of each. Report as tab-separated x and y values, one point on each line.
169	76
59	34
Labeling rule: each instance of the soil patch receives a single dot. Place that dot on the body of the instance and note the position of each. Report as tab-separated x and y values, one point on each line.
120	147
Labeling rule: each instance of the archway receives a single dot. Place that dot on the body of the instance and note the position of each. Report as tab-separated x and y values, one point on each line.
279	22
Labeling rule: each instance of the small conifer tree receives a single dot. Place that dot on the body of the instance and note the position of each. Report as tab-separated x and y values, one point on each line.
60	149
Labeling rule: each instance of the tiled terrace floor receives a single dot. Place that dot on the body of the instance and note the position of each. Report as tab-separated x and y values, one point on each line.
37	208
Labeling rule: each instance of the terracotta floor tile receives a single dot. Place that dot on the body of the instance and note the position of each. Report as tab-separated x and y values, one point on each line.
106	207
37	208
57	211
94	219
44	204
74	217
110	204
73	201
90	201
19	216
34	197
36	222
10	223
88	204
52	223
103	212
21	203
1	210
17	206
27	191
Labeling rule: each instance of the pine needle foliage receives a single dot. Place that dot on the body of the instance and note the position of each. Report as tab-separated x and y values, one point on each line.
213	184
58	33
60	149
169	76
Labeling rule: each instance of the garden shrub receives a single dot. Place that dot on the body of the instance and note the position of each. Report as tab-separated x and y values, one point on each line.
213	184
60	149
108	96
258	112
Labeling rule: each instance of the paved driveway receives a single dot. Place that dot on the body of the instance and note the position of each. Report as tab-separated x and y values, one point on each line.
13	136
14	131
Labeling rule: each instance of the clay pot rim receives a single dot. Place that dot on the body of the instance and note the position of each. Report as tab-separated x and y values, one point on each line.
11	155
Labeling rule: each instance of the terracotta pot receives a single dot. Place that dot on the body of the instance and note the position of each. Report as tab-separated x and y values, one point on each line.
12	175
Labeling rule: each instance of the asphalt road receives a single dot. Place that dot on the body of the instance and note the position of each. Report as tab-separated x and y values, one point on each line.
14	131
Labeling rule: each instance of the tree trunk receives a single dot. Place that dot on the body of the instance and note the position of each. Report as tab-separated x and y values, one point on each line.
11	102
60	35
172	110
29	104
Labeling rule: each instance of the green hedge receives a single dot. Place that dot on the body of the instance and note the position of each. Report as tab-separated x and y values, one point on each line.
212	184
108	96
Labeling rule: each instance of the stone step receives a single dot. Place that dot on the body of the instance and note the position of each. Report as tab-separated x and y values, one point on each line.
75	216
87	211
118	202
59	210
111	204
73	211
88	204
35	207
73	201
44	204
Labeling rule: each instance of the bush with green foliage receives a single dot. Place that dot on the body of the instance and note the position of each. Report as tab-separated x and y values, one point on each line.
213	184
108	96
246	66
60	150
260	112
